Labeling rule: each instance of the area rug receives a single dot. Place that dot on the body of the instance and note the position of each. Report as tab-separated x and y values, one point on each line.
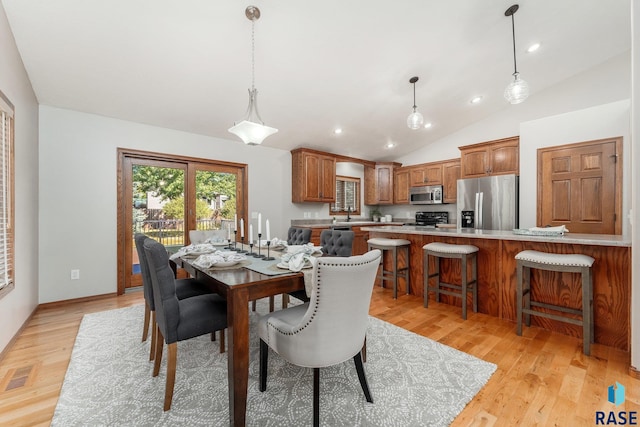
414	381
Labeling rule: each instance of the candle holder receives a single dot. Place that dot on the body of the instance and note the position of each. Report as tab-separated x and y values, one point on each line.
259	255
235	241
268	258
251	250
242	250
229	244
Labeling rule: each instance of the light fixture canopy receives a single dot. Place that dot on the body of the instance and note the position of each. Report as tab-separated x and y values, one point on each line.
518	90
252	130
415	119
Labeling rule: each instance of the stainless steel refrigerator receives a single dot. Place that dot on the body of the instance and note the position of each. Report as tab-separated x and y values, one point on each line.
488	203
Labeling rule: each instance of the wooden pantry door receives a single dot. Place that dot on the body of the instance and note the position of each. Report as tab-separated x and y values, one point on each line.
580	186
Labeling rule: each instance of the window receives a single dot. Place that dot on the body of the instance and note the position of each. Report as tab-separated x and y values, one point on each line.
347	196
6	195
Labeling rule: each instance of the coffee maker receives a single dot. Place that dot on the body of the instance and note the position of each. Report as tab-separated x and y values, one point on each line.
468	219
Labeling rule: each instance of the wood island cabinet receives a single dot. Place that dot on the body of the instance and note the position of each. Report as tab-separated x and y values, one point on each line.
378	183
314	176
499	157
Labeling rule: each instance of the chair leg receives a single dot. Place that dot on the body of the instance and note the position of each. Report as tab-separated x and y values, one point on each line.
253	305
357	359
154	336
394	263
463	281
519	279
213	336
425	258
221	340
285	301
172	356
271	304
158	356
147	315
586	311
364	350
264	358
316	397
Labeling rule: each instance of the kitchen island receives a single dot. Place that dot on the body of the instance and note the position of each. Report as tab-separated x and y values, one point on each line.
497	275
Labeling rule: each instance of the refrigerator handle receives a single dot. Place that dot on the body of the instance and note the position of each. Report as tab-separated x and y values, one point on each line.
477	210
480	218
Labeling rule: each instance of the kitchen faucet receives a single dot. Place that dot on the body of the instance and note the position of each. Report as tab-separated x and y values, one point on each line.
348	213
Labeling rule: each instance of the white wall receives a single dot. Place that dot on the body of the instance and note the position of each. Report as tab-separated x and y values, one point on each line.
635	193
17	305
78	187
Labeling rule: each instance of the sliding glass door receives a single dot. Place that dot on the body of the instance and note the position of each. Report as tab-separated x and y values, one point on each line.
165	197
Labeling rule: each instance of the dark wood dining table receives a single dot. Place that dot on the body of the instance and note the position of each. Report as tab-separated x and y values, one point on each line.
239	286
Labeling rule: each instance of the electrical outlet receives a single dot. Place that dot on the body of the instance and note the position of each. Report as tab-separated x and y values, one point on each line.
75	274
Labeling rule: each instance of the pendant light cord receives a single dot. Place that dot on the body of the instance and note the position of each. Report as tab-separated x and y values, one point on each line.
253	54
513	32
414	97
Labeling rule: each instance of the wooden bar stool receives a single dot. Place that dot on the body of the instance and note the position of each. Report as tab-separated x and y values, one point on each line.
392	275
466	254
572	263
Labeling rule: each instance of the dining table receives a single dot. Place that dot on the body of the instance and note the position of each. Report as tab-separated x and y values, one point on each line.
239	285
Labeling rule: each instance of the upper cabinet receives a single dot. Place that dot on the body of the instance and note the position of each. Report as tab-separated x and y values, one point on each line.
314	176
427	174
450	176
401	186
378	183
498	157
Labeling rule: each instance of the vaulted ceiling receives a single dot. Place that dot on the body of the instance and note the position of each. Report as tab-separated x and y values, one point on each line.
186	64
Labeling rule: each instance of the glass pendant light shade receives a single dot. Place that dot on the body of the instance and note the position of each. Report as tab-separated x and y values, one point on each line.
251	130
517	91
415	119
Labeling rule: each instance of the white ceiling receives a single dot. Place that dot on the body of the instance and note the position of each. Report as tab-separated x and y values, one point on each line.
187	64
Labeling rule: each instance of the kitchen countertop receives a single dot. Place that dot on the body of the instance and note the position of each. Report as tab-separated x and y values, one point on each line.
568	238
345	223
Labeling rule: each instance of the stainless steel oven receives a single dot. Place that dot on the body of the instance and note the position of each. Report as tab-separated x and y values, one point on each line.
426	195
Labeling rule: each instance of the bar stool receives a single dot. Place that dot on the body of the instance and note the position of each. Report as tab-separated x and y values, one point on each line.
466	254
392	275
572	263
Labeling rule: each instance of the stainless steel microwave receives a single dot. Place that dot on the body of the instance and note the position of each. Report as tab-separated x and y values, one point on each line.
426	195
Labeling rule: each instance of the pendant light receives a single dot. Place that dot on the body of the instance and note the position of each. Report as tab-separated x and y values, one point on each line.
518	90
415	119
252	130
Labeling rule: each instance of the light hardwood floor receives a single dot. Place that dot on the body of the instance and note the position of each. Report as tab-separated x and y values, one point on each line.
542	378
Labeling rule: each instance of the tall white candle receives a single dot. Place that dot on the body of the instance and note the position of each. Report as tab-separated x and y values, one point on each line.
235	222
250	233
268	231
241	227
259	223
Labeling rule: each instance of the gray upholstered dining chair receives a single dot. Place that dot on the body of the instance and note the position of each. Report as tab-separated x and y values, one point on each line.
178	319
334	243
329	329
185	288
298	236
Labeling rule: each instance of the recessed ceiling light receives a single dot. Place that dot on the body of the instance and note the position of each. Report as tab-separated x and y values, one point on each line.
476	99
533	47
338	131
390	145
427	125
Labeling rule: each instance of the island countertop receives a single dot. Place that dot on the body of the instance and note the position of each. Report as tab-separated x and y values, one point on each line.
568	238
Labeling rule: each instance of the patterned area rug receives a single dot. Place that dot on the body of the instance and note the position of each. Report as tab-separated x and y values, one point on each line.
414	381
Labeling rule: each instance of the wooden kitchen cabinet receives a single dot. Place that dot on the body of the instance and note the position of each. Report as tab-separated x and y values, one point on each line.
313	176
499	157
427	174
401	187
450	176
378	183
